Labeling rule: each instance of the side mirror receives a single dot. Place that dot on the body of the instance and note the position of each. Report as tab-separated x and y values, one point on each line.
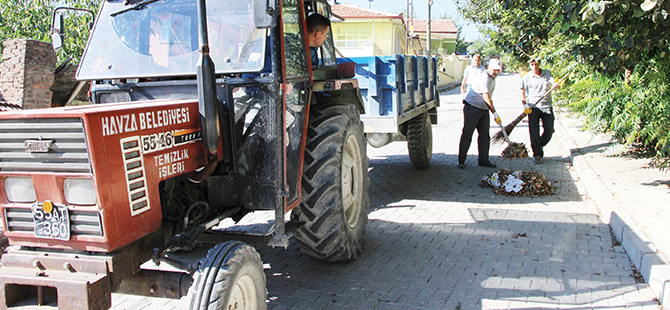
57	31
264	13
58	26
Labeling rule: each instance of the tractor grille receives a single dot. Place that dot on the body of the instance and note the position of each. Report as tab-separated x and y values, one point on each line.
82	223
67	153
135	175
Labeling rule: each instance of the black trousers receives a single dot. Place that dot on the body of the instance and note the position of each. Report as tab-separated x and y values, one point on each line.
537	140
475	118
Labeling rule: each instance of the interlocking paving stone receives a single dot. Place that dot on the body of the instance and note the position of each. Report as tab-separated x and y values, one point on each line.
437	240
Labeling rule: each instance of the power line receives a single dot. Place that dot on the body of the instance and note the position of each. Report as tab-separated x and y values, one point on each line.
450	11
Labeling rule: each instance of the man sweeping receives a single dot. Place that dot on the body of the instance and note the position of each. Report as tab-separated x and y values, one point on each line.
478	102
534	85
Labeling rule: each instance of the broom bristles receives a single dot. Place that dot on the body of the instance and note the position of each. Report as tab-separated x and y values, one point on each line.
499	137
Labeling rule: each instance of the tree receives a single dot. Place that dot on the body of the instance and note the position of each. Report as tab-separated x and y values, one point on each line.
608	35
461	45
15	15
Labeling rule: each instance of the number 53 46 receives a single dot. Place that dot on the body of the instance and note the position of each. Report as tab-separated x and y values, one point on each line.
157	141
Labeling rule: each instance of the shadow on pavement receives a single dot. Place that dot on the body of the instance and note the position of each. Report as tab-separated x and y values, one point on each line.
393	180
596	148
496	260
666	183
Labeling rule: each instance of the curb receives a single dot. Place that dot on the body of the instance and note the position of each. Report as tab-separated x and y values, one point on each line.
653	266
448	87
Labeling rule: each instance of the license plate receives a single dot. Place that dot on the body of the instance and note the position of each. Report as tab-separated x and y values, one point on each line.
54	224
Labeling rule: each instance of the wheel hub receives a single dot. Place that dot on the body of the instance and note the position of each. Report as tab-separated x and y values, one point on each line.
352	180
243	295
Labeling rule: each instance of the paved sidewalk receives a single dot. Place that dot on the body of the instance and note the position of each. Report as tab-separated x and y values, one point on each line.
633	198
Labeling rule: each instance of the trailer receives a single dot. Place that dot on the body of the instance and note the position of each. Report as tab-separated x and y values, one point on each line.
400	101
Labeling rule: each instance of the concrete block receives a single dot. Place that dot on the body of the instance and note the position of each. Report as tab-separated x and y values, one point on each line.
618	222
636	245
656	272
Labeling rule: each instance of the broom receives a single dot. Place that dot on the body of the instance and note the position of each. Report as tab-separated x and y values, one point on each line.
503	134
513	149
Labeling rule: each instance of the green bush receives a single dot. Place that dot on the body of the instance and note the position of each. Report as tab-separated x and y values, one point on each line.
638	112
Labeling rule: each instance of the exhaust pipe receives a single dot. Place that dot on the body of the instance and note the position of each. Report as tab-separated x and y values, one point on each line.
208	102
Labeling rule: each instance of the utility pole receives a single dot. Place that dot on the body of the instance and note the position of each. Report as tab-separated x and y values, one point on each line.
428	22
409	41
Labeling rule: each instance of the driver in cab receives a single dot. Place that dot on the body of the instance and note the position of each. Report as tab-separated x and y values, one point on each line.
317	31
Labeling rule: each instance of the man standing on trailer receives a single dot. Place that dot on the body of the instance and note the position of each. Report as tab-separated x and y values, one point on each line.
477	104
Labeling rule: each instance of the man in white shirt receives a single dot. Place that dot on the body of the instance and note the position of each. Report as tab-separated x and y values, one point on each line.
471	72
477	104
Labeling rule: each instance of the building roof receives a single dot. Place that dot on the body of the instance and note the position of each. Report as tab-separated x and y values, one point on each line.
352	11
436	26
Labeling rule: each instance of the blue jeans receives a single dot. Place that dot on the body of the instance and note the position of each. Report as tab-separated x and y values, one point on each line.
537	141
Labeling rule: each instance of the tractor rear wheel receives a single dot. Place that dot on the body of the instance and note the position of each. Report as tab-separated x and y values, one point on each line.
229	277
420	141
335	185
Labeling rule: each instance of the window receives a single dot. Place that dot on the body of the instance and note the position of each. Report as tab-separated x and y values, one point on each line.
294	42
352	37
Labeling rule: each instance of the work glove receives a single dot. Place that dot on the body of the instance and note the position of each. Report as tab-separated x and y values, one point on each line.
526	109
497	118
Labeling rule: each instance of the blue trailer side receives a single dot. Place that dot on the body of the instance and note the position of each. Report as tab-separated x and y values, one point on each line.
400	100
395	89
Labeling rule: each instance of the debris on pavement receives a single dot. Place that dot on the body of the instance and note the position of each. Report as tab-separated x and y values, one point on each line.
518	183
515	150
635	150
517	235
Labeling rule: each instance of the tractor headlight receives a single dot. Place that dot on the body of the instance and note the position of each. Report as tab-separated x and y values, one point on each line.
79	191
20	189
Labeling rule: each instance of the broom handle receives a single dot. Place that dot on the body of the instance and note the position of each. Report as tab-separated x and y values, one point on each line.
550	90
505	133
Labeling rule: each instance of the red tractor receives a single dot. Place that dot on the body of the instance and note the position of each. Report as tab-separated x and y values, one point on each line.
201	111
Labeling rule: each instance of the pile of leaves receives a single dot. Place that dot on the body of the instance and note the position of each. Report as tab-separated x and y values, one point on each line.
518	183
515	150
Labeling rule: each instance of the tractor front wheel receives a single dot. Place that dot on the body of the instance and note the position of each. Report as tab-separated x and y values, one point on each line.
229	277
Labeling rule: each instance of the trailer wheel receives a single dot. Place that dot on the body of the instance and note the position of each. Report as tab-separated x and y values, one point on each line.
335	185
420	141
229	277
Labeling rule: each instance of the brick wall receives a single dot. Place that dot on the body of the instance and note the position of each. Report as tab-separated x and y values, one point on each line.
27	73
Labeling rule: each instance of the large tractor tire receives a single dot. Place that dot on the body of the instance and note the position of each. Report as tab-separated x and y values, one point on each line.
335	185
420	141
229	277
